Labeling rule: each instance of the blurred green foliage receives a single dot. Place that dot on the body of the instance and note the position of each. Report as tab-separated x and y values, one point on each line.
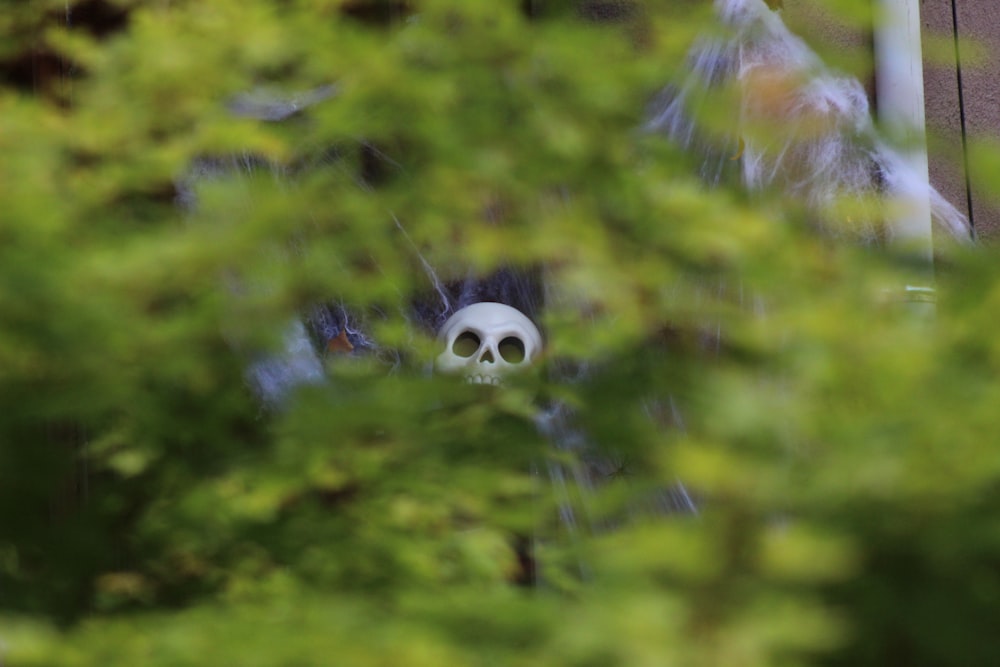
154	512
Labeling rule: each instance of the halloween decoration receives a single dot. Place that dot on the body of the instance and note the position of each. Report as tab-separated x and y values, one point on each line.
828	147
487	340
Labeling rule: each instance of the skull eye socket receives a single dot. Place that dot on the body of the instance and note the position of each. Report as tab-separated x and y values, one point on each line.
511	350
466	344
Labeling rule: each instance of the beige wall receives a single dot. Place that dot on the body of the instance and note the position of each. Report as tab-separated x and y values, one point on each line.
978	21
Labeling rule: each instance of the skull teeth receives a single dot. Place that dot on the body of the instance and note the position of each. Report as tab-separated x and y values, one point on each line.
482	379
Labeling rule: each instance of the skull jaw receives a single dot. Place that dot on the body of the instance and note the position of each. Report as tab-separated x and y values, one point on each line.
501	377
471	373
483	378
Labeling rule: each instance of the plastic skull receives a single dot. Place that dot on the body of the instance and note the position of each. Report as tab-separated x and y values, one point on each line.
487	340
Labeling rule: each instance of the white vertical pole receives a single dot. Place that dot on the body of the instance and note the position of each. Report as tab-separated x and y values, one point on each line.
899	84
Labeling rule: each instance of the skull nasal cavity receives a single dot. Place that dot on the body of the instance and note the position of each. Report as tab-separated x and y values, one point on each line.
466	344
487	358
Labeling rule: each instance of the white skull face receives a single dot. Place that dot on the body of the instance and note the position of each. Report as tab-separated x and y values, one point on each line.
487	340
